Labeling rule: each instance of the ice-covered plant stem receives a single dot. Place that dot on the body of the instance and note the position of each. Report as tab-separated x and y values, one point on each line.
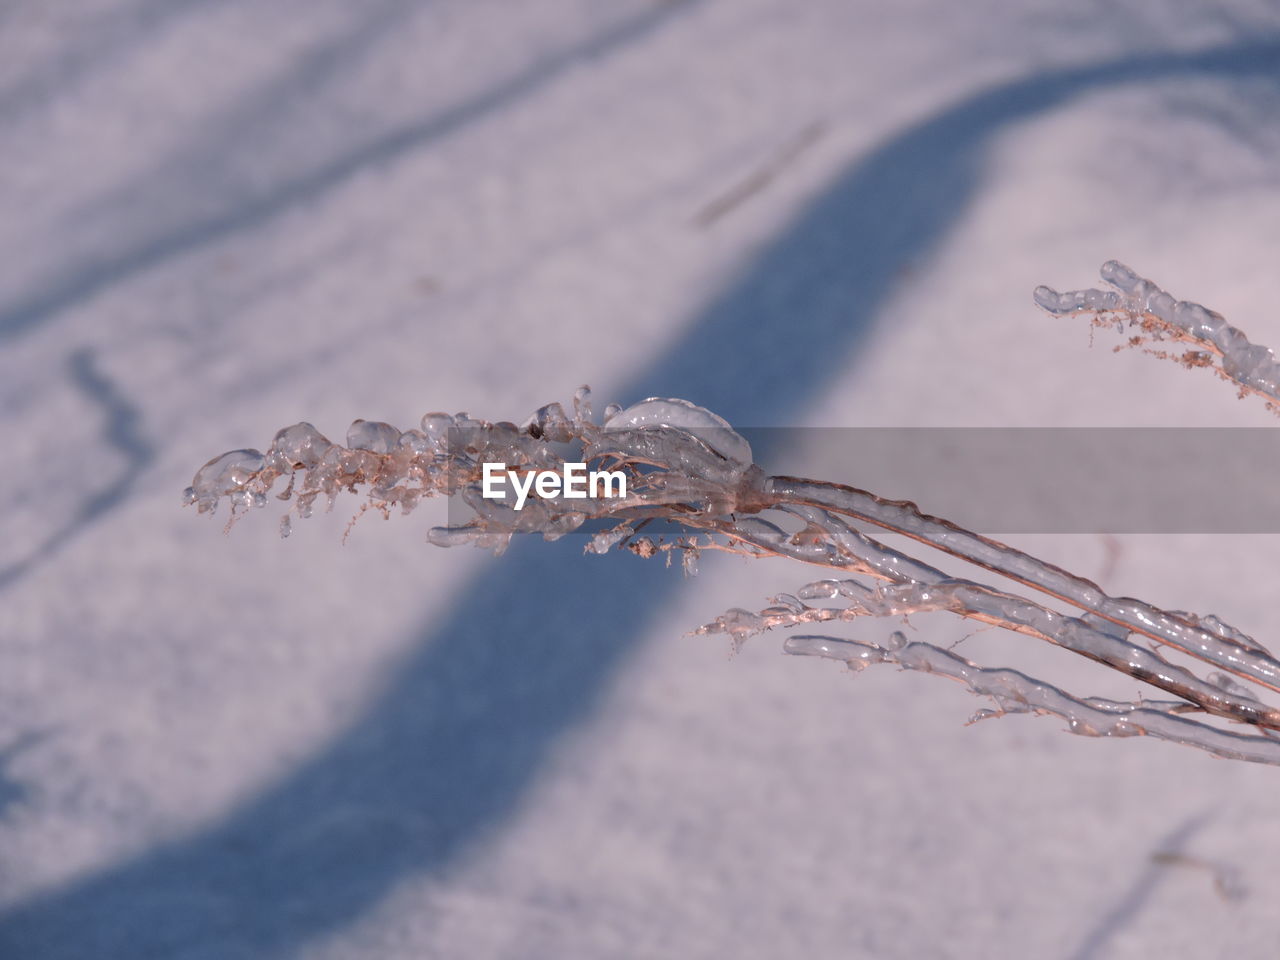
690	484
1151	315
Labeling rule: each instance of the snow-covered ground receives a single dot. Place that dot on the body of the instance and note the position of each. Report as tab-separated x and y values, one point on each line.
224	216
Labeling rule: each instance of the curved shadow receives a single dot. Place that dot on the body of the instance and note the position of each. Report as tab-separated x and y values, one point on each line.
452	745
88	279
122	431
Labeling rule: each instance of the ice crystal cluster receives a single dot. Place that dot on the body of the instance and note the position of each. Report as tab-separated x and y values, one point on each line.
692	486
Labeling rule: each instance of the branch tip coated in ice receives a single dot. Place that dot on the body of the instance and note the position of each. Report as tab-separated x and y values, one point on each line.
666	476
1154	316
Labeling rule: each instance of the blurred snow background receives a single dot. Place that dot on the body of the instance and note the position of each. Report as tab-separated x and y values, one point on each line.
224	216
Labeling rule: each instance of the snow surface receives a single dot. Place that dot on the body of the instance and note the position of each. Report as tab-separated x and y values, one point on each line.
221	217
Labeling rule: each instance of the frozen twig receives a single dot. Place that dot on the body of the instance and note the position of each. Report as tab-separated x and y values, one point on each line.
1015	692
681	465
1155	316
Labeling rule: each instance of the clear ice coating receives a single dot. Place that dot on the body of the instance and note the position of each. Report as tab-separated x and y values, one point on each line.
658	415
372	435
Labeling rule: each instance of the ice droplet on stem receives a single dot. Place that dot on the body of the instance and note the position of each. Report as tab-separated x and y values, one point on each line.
372	435
223	475
300	445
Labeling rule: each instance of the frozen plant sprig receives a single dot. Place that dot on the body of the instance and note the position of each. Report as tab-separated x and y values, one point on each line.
687	467
1155	316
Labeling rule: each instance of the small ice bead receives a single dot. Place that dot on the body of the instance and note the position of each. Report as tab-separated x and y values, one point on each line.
710	428
416	442
819	590
298	445
189	496
372	435
226	473
1120	276
286	527
603	541
895	641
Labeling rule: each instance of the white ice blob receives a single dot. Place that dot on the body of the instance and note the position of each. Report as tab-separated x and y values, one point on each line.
659	412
